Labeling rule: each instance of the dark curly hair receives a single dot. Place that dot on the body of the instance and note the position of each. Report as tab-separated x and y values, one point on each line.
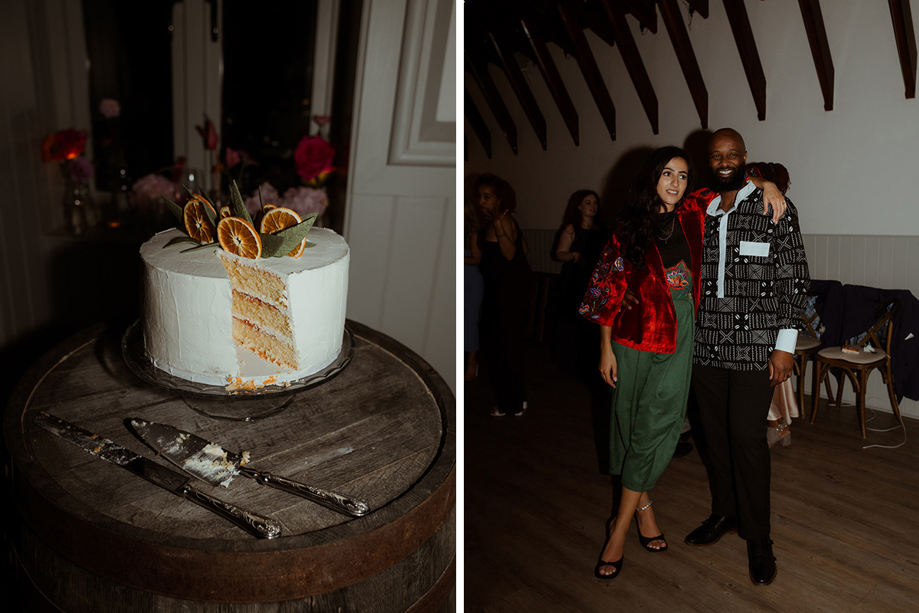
636	220
507	198
572	212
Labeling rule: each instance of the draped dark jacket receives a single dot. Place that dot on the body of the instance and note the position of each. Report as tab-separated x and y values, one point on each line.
650	325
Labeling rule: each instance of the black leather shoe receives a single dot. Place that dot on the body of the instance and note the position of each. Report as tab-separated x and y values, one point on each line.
762	562
711	530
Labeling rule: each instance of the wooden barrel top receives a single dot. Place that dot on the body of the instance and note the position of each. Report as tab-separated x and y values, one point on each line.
383	431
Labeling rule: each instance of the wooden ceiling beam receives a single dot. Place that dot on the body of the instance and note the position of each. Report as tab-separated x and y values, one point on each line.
521	88
682	46
478	68
591	16
903	31
820	49
699	6
643	11
551	76
749	56
477	122
588	65
633	63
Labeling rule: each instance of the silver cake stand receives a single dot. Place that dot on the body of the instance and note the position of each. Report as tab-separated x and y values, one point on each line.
215	400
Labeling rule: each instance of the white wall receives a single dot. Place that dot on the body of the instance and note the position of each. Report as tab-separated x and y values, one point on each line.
402	206
853	169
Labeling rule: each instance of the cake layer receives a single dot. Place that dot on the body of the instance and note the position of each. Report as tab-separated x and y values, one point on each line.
266	317
188	313
264	345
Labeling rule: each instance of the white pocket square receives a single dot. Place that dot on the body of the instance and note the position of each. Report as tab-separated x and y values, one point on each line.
751	248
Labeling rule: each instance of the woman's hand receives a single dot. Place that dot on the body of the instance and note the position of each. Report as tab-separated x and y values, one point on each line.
608	367
771	197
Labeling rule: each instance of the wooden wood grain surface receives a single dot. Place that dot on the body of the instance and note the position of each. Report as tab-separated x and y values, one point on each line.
382	431
844	518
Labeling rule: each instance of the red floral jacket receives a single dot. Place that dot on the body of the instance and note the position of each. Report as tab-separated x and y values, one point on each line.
650	325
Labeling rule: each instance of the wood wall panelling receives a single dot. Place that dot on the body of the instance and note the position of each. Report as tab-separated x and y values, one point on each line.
820	49
395	213
749	56
370	239
407	272
418	138
682	46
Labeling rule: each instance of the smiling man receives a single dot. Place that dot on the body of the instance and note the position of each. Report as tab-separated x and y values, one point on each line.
754	284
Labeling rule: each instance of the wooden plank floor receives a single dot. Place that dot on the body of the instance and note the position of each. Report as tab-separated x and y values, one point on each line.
844	518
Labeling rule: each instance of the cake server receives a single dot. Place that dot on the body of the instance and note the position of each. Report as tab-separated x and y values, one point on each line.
218	466
166	478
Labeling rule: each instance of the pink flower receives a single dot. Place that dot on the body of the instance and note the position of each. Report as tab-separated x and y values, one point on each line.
109	108
147	193
269	196
209	133
313	156
305	200
232	157
79	169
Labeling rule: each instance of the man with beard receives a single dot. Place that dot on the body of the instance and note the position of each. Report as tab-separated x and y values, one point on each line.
754	284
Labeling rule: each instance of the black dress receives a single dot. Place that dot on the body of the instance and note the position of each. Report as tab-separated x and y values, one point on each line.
577	340
508	288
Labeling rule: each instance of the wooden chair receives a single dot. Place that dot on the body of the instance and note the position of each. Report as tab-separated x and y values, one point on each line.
858	367
808	344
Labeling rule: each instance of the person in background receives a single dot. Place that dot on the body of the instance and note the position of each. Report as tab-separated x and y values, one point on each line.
580	241
508	288
754	291
473	289
653	258
784	405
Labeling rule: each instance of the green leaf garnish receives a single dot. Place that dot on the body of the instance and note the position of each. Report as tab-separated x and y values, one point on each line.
285	241
238	205
181	239
176	210
270	245
204	246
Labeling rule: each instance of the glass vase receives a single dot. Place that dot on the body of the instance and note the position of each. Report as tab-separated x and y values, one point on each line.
80	212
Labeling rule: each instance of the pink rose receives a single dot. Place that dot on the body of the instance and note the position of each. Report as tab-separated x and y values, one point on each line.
306	200
147	193
313	156
109	108
232	157
79	169
269	196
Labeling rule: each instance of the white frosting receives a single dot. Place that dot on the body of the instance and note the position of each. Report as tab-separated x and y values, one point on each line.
187	313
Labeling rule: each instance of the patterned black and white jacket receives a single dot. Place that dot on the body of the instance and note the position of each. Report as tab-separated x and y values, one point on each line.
754	284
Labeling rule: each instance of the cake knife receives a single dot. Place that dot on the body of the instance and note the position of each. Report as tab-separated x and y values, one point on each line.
166	478
218	466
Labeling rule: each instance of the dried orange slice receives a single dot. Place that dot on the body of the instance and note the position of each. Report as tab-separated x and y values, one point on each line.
197	223
225	211
279	218
236	236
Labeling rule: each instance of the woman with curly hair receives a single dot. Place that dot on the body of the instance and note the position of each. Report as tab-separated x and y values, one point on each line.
655	255
508	285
